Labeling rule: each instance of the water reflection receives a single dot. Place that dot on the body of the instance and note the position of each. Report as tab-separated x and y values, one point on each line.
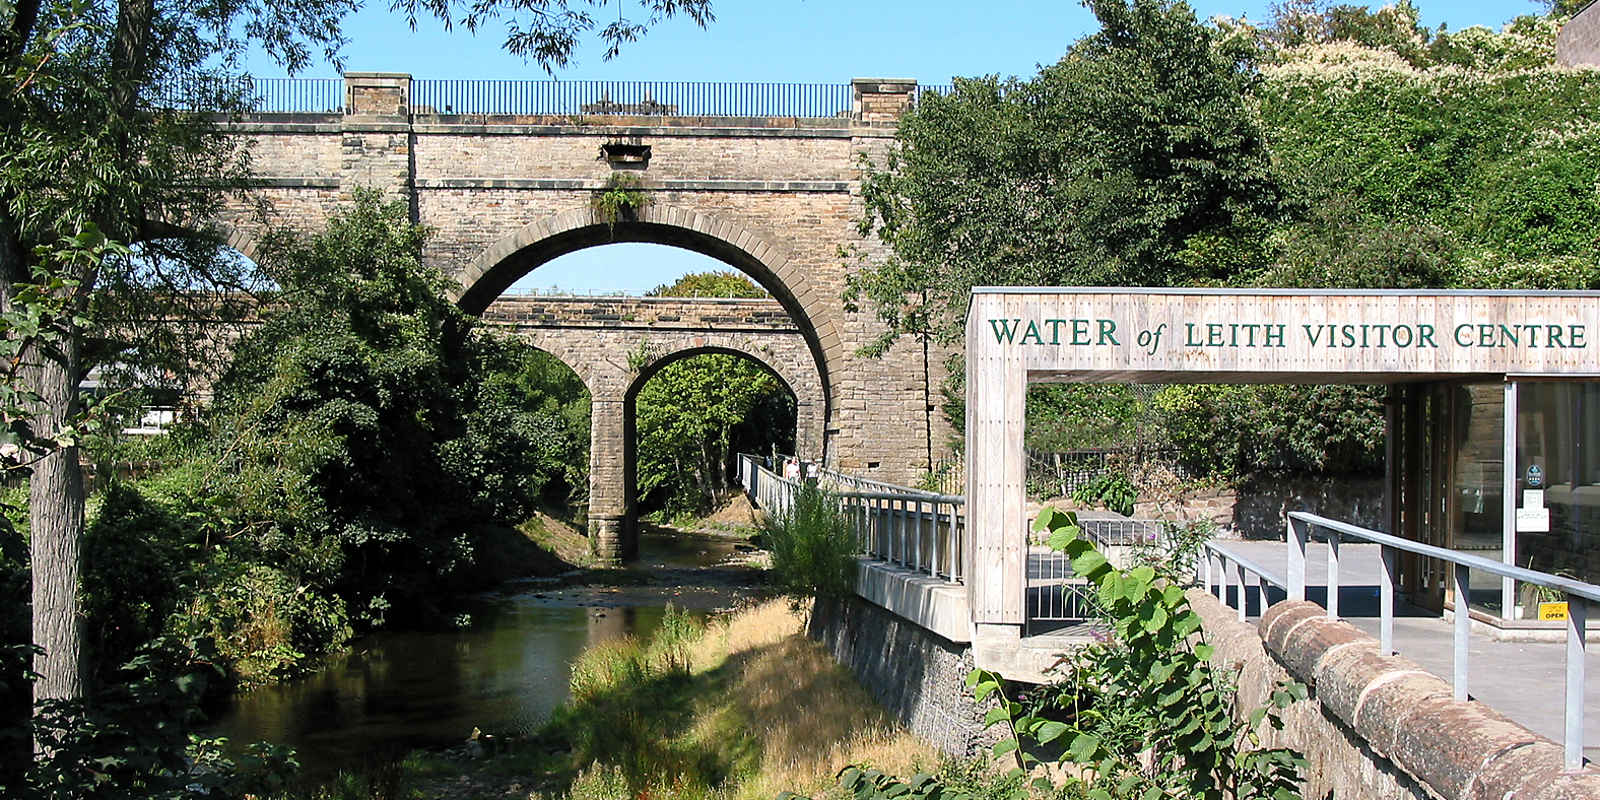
400	691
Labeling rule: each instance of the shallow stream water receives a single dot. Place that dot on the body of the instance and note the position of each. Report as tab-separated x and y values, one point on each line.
398	691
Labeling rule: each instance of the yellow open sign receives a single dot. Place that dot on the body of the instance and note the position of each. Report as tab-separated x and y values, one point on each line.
1552	611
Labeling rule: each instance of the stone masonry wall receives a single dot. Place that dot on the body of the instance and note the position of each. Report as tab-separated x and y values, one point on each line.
776	197
1379	727
917	676
1259	509
616	344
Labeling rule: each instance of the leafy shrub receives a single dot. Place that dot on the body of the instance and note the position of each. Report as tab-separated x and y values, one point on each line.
599	782
1228	432
1144	712
1114	490
133	739
813	546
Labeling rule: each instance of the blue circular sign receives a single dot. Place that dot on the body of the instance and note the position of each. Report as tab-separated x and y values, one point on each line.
1535	479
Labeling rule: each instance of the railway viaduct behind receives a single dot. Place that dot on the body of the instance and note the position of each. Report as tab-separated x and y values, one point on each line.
765	178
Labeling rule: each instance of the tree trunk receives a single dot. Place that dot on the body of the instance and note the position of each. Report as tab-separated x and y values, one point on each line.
55	507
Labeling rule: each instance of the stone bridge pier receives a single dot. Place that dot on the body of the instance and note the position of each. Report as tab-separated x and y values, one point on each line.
616	344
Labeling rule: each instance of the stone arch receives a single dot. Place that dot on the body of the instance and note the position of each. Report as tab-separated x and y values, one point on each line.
609	364
808	425
802	380
215	230
764	258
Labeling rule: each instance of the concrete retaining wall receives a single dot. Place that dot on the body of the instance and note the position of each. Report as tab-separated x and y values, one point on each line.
917	676
1380	727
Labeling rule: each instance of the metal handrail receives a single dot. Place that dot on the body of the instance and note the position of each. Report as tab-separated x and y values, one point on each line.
633	98
854	480
1231	565
909	527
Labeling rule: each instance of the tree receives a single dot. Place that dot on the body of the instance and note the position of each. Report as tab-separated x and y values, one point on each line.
709	284
1135	160
688	414
101	128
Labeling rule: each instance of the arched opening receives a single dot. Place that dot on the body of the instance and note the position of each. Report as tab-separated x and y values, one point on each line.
167	313
758	256
687	416
577	295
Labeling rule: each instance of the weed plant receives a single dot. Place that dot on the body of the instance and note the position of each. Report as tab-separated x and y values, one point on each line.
813	547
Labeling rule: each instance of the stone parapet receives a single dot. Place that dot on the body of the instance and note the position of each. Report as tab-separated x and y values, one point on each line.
1380	726
763	314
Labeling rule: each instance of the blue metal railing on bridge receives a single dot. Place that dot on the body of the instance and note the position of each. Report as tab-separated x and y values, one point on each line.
255	95
642	98
522	97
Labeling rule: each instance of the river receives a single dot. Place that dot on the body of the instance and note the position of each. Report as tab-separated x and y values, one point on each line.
399	691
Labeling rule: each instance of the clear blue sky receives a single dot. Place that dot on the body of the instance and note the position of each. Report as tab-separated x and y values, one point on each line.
796	41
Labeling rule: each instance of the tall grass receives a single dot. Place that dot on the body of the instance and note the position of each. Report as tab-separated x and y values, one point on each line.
813	547
739	709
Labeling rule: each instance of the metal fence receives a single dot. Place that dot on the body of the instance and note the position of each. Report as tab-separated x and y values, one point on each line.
920	531
682	98
260	95
1222	569
1057	596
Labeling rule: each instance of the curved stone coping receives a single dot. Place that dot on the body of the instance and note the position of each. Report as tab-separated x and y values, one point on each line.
1405	714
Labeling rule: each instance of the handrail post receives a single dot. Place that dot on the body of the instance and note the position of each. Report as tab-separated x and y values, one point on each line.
1238	576
1333	574
1461	584
1572	741
1296	541
1386	601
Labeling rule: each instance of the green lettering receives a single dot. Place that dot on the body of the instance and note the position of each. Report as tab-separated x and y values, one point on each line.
1004	329
1080	331
1425	336
1108	333
1033	330
1575	335
1464	342
1055	329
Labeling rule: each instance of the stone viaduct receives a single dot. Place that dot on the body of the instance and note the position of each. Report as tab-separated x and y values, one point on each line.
504	192
615	345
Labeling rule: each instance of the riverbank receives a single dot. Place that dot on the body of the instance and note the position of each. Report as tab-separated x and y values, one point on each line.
739	706
397	691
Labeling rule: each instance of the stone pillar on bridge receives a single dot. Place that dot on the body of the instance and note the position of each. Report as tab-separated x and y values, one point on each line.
882	99
809	425
376	144
610	534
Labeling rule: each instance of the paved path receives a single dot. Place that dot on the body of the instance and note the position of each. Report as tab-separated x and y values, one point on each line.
1523	680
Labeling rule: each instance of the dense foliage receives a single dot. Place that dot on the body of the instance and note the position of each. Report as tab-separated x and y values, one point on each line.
694	415
1144	714
365	458
1336	146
